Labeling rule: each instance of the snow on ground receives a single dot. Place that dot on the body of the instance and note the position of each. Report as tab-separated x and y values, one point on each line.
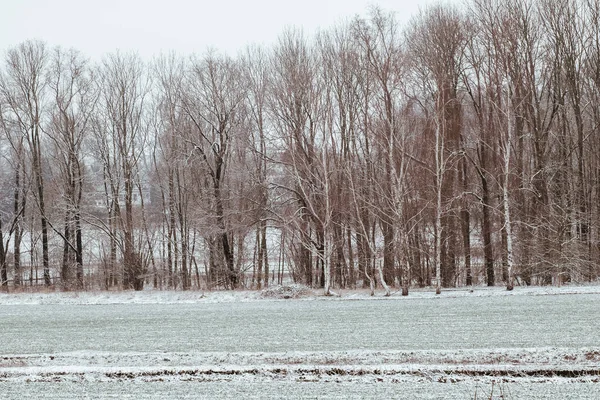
485	343
416	389
528	373
180	297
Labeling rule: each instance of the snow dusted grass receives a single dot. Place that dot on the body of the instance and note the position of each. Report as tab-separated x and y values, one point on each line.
126	390
529	343
285	292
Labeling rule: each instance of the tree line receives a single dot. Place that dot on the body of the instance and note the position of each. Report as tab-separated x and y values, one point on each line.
461	148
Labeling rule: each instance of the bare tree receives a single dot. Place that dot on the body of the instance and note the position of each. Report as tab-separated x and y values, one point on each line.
170	140
212	102
124	88
13	209
592	89
256	73
383	58
298	108
437	40
24	89
74	98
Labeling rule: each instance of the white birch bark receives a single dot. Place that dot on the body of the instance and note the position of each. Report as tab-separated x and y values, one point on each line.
386	288
505	199
397	182
326	222
439	170
363	231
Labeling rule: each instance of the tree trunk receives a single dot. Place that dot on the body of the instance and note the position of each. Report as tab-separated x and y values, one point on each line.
264	253
19	212
486	229
388	254
466	223
3	268
505	201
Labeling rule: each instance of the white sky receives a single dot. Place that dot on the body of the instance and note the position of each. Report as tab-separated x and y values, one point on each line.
96	27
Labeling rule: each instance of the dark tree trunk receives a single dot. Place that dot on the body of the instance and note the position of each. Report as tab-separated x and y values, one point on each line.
79	252
351	281
389	259
263	252
486	229
3	269
19	211
65	271
466	223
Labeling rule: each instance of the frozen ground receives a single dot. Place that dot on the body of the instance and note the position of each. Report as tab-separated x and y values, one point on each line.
529	343
170	297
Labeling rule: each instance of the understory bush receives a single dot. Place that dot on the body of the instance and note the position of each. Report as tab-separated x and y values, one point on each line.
292	291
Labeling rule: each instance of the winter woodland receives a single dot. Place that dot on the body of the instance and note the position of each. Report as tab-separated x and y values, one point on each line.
461	148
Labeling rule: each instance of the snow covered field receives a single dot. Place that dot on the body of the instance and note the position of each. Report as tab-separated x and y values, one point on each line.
529	343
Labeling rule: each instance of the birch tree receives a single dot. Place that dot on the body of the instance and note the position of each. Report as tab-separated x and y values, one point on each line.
437	40
15	185
384	61
23	88
123	97
173	153
212	102
256	73
73	100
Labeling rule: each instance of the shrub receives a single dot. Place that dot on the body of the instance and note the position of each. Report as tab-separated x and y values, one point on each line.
292	291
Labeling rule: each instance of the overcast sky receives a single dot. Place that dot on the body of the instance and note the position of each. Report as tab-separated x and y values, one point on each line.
96	27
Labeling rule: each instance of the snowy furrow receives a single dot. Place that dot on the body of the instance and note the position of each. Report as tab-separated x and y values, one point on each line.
298	372
523	364
546	358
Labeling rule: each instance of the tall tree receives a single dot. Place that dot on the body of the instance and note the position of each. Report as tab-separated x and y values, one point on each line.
256	73
173	152
73	100
124	90
212	102
380	43
24	90
437	39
